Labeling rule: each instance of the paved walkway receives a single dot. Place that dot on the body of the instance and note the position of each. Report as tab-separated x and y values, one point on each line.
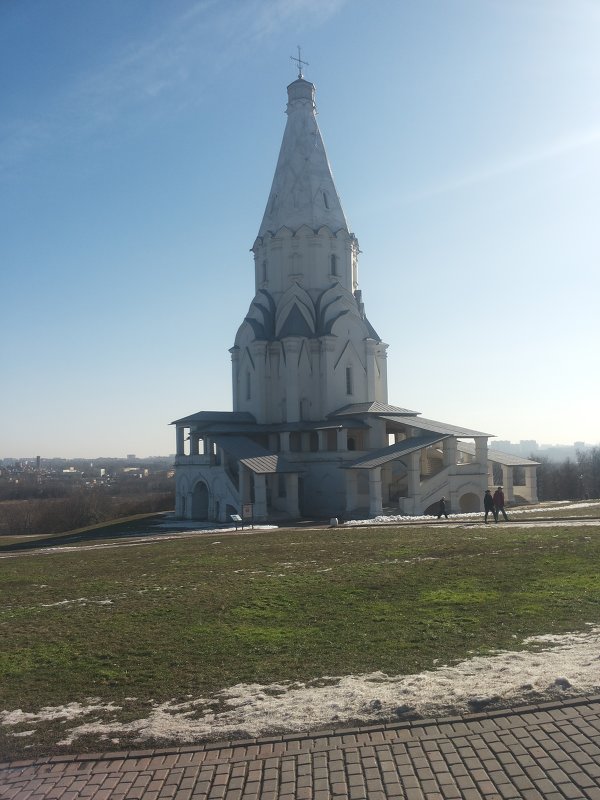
545	752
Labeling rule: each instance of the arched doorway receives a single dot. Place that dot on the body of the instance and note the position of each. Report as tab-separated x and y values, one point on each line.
469	503
200	501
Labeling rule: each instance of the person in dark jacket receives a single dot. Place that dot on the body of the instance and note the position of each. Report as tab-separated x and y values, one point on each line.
499	504
488	505
442	508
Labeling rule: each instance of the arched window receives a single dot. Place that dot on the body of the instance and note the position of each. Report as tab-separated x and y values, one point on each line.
334	264
325	199
248	386
264	270
351	443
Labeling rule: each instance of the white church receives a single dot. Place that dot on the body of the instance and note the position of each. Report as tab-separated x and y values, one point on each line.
312	433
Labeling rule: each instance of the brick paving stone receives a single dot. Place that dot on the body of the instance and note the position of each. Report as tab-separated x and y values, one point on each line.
548	752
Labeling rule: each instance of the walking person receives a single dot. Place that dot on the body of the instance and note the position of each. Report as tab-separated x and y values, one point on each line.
499	504
488	505
442	508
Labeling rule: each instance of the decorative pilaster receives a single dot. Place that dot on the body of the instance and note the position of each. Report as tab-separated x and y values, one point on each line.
292	350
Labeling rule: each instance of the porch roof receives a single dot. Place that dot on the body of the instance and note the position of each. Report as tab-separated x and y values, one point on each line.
435	426
372	408
253	456
239	417
499	457
379	457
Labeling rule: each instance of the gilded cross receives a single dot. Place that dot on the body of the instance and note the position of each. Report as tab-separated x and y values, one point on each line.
300	62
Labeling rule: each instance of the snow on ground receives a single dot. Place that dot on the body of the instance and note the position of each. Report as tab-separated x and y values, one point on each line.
477	515
554	666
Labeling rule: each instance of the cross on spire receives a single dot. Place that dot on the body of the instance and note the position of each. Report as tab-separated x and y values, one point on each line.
300	62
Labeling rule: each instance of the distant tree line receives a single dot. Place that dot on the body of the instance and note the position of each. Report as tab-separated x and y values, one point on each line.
570	479
79	508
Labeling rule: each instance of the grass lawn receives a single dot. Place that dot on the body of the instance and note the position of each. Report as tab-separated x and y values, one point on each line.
189	617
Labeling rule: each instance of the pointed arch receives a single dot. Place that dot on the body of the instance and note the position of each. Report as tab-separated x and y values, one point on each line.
298	298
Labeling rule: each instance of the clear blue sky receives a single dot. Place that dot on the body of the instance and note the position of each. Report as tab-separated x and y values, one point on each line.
138	141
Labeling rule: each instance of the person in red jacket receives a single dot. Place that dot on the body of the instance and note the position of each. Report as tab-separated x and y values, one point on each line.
499	503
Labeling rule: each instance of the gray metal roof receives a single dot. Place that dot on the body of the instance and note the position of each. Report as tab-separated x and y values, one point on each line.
506	459
438	427
372	408
208	425
217	416
253	456
379	457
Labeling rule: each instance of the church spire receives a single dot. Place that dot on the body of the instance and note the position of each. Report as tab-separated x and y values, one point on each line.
303	191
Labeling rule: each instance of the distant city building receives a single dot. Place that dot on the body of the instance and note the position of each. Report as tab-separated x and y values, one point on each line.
311	432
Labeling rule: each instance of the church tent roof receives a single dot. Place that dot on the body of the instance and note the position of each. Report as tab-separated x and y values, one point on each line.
303	191
379	457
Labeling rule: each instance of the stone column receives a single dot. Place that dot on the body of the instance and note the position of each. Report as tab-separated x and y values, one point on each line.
481	453
291	490
180	440
507	483
414	483
490	474
351	491
194	444
531	484
260	497
342	439
322	434
375	504
243	485
284	441
450	452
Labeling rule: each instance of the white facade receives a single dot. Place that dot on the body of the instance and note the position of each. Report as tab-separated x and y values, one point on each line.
311	432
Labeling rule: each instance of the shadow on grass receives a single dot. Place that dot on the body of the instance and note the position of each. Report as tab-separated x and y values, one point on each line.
128	527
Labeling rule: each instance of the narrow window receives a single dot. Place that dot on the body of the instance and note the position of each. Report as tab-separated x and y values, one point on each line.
325	200
349	387
264	270
248	386
334	264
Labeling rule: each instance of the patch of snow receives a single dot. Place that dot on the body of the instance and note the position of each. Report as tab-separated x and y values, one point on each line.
82	600
536	509
560	665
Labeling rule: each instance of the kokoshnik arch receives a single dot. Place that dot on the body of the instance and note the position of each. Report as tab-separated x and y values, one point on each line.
311	432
